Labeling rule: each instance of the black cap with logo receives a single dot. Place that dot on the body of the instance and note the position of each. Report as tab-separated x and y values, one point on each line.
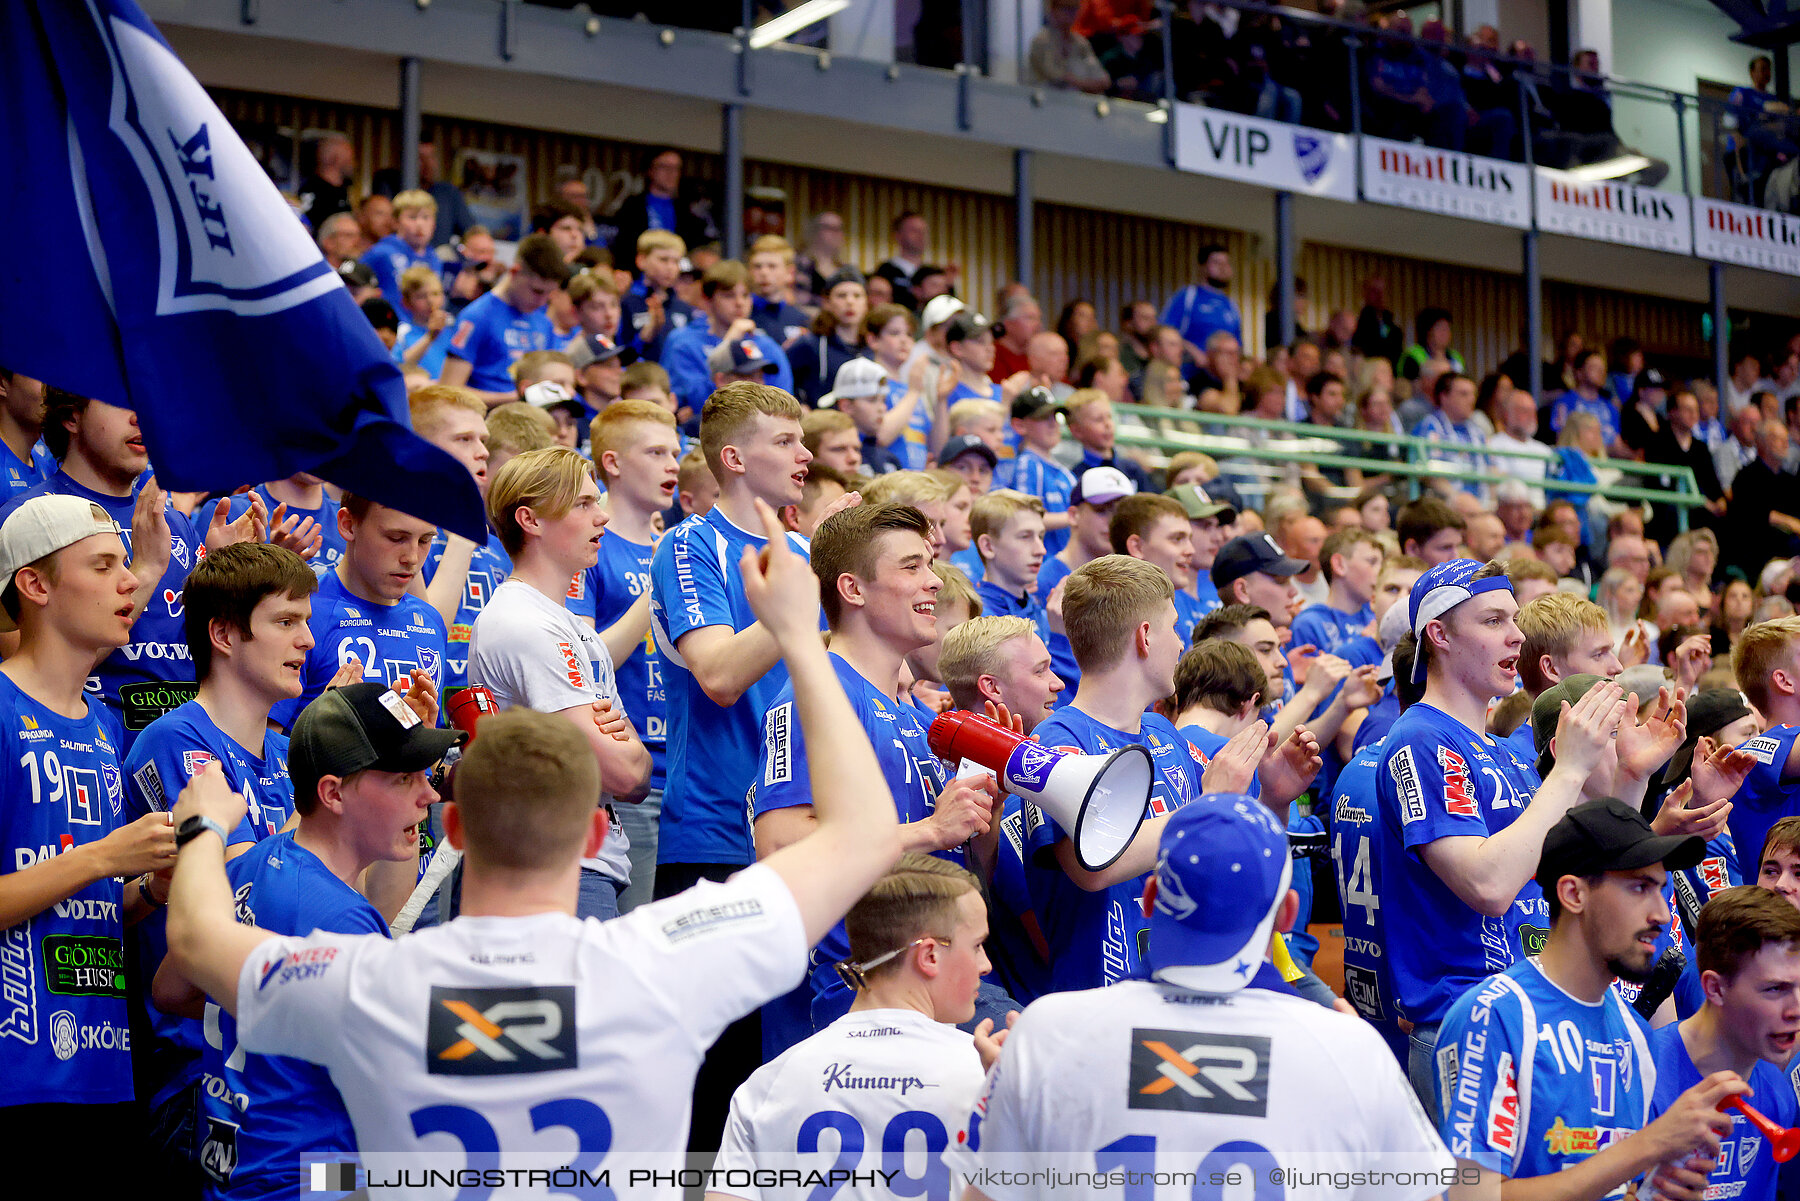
1608	835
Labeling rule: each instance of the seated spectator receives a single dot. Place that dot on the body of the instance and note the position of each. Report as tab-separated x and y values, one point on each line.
1089	415
1431	353
407	245
1761	495
1450	423
1123	35
1589	394
820	259
1218	383
1400	104
563	222
492	333
835	337
340	239
423	318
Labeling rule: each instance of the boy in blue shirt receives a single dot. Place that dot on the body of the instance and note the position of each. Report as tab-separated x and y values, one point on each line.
1033	471
1210	523
415	217
1097	490
65	1070
1766	662
1748	953
1156	529
1543	1068
1008	529
650	310
879	596
361	762
493	332
725	289
1350	560
23	456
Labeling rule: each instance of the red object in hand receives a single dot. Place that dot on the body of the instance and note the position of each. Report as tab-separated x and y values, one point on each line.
469	706
959	734
1784	1142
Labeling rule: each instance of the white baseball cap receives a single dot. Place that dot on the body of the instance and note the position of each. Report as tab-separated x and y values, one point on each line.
42	526
855	379
938	310
546	393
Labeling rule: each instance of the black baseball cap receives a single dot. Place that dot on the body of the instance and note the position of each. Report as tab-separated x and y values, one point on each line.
1649	377
1608	835
1034	402
1253	552
598	348
357	274
965	325
740	356
845	275
1546	711
360	727
966	444
381	314
1708	712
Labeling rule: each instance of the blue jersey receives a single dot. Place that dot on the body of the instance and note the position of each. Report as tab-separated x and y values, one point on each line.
20	476
1440	779
1573	402
634	316
603	592
914	446
390	640
1746	1170
1330	629
1062	655
488	568
1531	1081
331	542
64	1035
1379	719
153	673
969	559
1098	938
389	259
1050	482
162	761
491	335
1199	311
1204	591
1015	935
1472	458
712	751
1766	796
263	1112
684	358
998	602
432	361
1188	613
1363	847
913	775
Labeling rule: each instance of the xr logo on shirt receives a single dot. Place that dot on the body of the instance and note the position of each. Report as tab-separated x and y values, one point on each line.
500	1031
1199	1073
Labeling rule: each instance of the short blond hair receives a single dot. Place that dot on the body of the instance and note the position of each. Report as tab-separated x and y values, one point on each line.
545	481
1105	600
1081	398
952	482
693	467
916	899
820	422
528	370
1182	460
525	790
587	283
972	650
417	277
957	587
992	511
1551	623
968	411
733	408
414	199
611	429
907	488
518	427
426	405
645	374
659	239
1761	649
771	244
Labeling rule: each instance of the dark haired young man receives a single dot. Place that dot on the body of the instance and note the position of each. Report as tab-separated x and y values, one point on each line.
495	330
23	457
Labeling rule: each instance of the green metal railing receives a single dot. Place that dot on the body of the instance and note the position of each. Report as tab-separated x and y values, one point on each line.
1416	467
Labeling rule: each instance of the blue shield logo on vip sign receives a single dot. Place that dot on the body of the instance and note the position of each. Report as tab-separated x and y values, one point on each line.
210	196
1312	155
1029	766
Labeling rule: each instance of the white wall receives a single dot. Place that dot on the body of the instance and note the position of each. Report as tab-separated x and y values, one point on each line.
1673	44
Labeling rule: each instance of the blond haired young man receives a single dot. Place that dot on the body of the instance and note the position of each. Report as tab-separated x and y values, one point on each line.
1766	661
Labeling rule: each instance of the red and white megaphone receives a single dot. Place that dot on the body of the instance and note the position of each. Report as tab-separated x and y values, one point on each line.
1099	799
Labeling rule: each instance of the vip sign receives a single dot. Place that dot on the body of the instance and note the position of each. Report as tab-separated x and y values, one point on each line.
1289	158
1614	212
1750	237
1445	181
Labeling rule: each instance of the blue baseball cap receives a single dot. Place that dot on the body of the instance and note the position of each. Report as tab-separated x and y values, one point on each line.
1221	873
1442	589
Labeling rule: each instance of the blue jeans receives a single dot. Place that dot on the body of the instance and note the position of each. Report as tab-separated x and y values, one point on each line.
599	896
1421	1067
640	823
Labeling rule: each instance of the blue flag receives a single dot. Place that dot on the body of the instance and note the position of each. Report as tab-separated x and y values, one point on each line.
160	270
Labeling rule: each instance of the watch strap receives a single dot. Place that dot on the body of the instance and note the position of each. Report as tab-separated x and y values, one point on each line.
197	825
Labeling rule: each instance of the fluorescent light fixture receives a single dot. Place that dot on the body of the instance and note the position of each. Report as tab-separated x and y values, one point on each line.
778	29
1616	167
1157	116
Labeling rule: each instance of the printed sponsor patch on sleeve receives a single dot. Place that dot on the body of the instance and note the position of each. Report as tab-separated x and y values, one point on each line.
1764	749
149	782
727	918
778	742
1406	785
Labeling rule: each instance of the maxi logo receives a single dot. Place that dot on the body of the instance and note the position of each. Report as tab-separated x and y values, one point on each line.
500	1031
1459	798
1199	1073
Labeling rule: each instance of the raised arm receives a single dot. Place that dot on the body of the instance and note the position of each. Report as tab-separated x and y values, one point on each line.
206	942
857	835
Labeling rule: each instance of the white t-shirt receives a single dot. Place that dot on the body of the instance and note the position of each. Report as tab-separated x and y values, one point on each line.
892	1084
1144	1077
519	1041
530	650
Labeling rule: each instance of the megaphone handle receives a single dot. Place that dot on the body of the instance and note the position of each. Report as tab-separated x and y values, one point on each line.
1757	1118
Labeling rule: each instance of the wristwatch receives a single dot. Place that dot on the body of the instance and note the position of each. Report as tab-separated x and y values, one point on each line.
197	825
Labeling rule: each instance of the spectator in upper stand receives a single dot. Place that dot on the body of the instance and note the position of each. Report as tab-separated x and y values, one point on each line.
771	263
1518	421
1021	319
1589	395
415	215
651	308
1739	450
1431	354
1272	317
1678	444
1490	91
1047	363
726	293
1401	106
1061	58
1641	416
659	206
1624	360
340	238
1766	122
821	258
1218	385
1137	336
1761	497
1302	365
1454	395
912	235
1378	334
453	216
1745	382
1200	309
572	188
1077	322
835	337
326	192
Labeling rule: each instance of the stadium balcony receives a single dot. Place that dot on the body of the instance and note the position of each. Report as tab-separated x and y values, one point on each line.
1076	195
